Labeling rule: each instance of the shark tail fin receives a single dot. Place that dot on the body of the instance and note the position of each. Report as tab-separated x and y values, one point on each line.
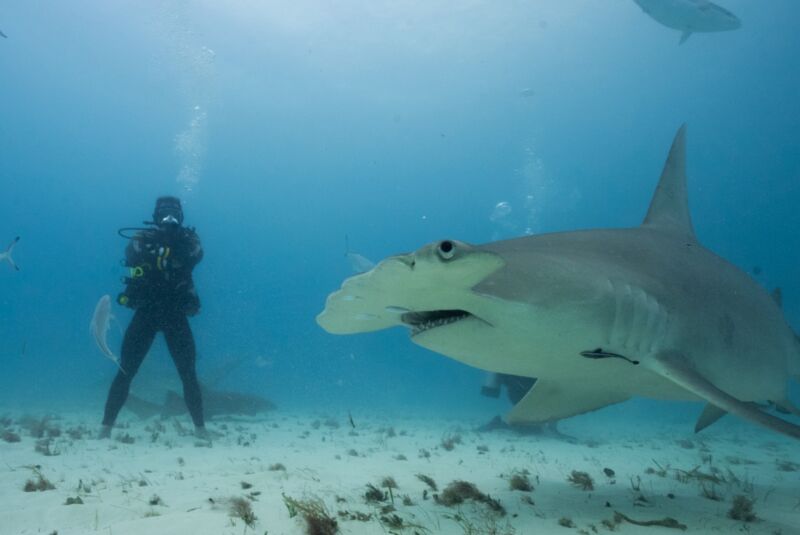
7	254
669	208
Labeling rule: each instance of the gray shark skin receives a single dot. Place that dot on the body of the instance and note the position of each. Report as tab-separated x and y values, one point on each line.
598	316
689	16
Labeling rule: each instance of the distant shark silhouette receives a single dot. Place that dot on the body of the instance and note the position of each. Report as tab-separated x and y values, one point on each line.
597	316
98	327
6	255
358	263
689	16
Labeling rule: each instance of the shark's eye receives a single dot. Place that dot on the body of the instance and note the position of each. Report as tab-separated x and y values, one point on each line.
446	249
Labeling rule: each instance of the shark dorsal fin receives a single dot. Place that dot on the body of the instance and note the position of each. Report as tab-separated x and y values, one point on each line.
669	208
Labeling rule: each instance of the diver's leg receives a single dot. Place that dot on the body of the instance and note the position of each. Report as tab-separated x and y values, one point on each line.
180	342
137	341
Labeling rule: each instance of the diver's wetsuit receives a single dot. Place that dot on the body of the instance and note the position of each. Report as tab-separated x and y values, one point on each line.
162	292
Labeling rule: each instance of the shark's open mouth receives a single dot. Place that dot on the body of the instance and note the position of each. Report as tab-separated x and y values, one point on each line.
426	320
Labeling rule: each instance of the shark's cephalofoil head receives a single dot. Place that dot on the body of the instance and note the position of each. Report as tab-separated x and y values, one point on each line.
427	290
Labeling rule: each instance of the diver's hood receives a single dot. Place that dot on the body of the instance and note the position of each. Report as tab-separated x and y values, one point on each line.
168	212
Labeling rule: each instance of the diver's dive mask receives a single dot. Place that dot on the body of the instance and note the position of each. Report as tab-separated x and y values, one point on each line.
168	220
168	212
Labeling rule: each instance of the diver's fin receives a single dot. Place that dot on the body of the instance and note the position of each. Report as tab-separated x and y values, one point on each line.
551	400
711	413
669	208
673	366
777	296
684	36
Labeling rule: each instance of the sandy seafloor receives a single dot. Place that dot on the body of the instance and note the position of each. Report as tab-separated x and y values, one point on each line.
168	482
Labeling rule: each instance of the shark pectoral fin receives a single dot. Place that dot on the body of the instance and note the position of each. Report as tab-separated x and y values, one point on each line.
552	399
711	413
673	366
684	36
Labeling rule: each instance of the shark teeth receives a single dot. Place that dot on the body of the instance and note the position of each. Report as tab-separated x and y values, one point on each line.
423	321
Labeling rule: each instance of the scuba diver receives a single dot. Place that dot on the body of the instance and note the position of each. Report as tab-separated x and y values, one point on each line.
161	291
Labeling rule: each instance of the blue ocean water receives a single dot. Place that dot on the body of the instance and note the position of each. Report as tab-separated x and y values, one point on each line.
286	126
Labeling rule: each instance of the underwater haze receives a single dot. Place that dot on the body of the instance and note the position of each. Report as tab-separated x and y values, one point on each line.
288	127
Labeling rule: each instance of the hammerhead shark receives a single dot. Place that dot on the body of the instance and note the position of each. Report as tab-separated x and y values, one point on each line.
598	316
6	255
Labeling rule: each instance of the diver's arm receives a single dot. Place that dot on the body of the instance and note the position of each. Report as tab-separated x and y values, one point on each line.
194	249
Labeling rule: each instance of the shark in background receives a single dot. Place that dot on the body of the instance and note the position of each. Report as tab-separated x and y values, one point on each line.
597	316
156	396
215	403
98	327
690	16
5	256
358	263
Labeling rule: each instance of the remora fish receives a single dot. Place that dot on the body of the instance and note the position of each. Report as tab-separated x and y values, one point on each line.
101	320
689	16
690	325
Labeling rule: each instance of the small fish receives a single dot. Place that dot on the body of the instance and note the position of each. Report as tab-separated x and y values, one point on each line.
350	417
7	254
101	320
359	263
24	347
